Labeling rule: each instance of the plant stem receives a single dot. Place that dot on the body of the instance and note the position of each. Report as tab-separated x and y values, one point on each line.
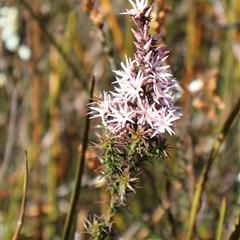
36	116
78	177
23	205
204	174
221	217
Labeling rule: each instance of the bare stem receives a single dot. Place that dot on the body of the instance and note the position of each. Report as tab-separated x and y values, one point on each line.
11	128
204	175
24	198
78	177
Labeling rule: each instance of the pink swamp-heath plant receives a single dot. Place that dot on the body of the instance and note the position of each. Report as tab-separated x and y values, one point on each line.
136	115
143	100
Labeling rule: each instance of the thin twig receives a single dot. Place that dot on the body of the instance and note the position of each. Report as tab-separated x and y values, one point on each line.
204	175
221	217
11	128
78	177
54	43
36	88
24	198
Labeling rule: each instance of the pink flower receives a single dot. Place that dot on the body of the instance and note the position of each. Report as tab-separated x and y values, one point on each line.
138	7
144	100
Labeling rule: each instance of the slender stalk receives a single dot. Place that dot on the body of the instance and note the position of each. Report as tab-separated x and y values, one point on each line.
188	75
16	195
221	217
204	174
36	116
24	198
11	129
78	177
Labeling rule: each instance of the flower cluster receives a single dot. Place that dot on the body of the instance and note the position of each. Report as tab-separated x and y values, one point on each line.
143	101
134	116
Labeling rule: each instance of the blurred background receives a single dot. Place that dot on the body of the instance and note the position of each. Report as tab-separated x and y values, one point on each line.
49	52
